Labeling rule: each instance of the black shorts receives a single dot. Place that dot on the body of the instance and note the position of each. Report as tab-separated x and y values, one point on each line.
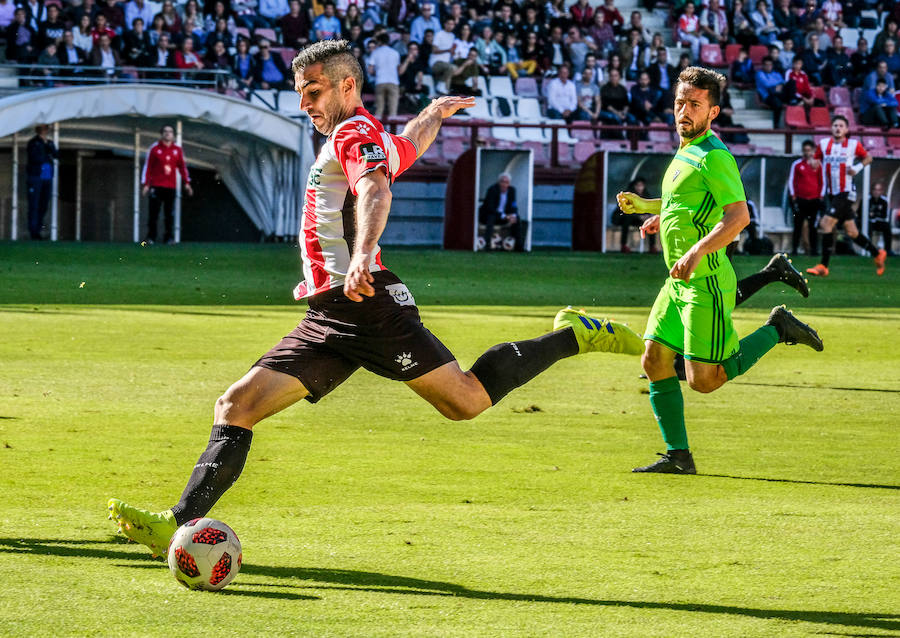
841	208
382	334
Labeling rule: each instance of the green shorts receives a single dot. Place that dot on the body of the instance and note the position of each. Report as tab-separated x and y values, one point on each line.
694	318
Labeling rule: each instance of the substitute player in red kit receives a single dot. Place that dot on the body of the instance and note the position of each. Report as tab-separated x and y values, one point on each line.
164	160
805	188
360	313
842	157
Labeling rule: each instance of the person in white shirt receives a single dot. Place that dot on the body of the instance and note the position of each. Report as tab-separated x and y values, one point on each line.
562	99
442	55
7	12
383	65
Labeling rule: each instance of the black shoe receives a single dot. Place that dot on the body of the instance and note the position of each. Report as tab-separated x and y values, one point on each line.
679	367
672	462
793	331
788	274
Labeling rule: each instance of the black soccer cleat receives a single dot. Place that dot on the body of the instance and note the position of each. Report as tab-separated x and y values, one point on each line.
787	273
793	331
672	462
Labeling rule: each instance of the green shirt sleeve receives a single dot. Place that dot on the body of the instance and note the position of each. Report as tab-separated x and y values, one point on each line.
722	177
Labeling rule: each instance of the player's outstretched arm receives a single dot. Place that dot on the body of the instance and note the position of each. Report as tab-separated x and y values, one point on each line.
372	207
632	204
423	128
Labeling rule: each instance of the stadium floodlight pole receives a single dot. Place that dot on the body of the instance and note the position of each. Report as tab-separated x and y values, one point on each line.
136	187
14	226
79	158
54	197
178	184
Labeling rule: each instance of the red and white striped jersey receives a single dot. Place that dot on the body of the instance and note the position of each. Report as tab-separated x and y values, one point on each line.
356	147
836	158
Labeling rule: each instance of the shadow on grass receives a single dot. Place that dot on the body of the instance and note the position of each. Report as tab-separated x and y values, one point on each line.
876	486
350	580
819	387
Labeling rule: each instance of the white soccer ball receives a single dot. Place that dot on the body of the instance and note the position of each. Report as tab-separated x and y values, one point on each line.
205	554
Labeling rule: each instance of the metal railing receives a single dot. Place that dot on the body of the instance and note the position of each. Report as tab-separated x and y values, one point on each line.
42	76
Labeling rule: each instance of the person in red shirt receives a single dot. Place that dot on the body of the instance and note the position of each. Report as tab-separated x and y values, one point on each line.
164	159
805	188
803	88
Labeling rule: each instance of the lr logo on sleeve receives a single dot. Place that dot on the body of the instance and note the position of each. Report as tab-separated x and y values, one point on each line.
400	294
372	152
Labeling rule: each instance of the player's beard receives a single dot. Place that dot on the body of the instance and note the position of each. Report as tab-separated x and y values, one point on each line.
694	129
331	115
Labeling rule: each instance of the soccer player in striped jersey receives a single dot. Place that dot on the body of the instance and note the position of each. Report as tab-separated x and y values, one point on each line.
842	157
702	209
360	313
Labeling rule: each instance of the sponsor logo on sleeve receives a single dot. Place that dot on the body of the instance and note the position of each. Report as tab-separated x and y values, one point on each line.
372	153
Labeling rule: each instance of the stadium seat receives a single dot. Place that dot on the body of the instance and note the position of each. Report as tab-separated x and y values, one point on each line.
449	131
562	133
757	53
481	85
505	133
731	52
501	86
481	110
288	103
818	93
660	132
847	112
428	80
795	117
452	148
527	87
869	35
534	134
711	55
850	35
854	97
614	145
583	150
432	154
893	142
287	56
268	34
243	32
540	152
582	132
839	96
875	145
564	153
819	117
529	109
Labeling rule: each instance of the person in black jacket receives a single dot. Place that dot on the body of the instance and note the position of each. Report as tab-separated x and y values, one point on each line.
136	45
21	39
41	153
500	205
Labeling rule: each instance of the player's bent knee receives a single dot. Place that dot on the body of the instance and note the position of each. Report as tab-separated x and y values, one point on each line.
704	385
231	409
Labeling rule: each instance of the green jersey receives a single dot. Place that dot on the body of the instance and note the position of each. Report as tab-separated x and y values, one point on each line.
701	179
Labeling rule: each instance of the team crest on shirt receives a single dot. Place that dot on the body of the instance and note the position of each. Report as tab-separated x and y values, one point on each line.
372	153
400	294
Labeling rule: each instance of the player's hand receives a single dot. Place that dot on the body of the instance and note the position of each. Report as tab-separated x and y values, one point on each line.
145	190
189	190
814	164
450	104
685	267
650	226
632	204
359	279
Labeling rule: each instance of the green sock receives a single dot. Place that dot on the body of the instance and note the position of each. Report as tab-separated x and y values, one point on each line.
753	347
668	407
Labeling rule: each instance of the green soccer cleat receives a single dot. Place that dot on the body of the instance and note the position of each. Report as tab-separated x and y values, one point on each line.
153	529
598	335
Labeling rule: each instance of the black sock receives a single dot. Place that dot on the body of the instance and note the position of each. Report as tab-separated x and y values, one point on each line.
827	247
216	470
865	243
749	286
506	366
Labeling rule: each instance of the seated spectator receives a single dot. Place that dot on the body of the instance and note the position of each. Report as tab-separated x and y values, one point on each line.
638	23
531	24
814	60
48	58
820	30
423	22
136	45
219	12
351	18
714	23
88	8
217	57
51	29
787	53
503	20
582	14
138	9
556	14
412	71
861	63
590	62
190	11
777	63
889	32
837	69
327	26
115	16
614	101
742	28
764	25
82	34
514	62
187	58
880	73
742	72
644	103
833	13
244	67
663	74
463	43
101	27
612	16
68	54
773	90
220	33
105	56
463	73
577	48
295	26
806	16
272	72
441	59
490	55
601	32
191	29
687	31
170	17
635	55
562	98
878	106
532	51
588	97
271	10
785	21
802	89
162	57
891	57
555	52
7	13
245	14
21	40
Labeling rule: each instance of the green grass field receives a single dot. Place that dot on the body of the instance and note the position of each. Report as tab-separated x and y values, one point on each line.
369	515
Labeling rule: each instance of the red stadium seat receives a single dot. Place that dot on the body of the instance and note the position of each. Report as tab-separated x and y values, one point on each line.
839	96
731	52
527	87
875	145
818	93
711	55
268	34
287	56
582	131
795	117
893	141
243	32
583	150
452	148
564	153
819	117
540	152
660	133
847	112
758	52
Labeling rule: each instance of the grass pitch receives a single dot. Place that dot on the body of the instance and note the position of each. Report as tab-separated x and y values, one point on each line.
369	515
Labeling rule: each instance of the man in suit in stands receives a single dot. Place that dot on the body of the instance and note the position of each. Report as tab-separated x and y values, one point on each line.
499	206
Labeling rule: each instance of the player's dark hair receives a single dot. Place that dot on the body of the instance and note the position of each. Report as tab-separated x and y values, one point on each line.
840	117
338	62
164	127
704	79
808	143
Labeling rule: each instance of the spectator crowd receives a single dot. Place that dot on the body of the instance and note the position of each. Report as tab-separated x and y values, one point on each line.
591	62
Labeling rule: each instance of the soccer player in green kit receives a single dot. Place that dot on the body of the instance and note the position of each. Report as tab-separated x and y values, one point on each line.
702	209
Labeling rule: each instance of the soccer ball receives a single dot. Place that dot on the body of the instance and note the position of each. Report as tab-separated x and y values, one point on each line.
205	554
